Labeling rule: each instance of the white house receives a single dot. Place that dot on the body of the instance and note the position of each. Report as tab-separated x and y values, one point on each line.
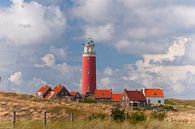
154	96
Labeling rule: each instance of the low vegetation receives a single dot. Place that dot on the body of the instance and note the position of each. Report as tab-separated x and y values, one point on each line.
97	124
117	113
136	117
90	115
158	115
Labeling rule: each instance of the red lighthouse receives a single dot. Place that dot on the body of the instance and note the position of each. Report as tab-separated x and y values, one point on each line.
88	68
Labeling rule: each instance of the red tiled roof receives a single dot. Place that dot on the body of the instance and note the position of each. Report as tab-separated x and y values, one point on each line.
116	97
153	93
103	94
55	91
74	93
135	95
43	89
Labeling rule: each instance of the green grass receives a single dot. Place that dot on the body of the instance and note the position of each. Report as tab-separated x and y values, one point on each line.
97	124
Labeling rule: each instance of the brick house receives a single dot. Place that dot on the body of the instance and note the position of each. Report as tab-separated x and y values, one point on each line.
154	96
43	92
103	95
133	99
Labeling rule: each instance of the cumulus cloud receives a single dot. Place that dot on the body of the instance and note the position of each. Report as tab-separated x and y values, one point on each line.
48	61
175	50
137	27
89	10
153	71
100	33
16	78
25	23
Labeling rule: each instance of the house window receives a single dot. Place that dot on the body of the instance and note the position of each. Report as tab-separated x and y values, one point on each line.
159	101
148	100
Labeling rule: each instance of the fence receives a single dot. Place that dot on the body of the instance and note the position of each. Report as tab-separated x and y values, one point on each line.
14	119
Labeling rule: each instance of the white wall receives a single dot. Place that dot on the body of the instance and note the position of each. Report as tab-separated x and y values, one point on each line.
154	100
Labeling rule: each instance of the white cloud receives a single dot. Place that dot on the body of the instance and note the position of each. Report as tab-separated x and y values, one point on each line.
171	75
108	71
60	53
138	27
16	78
93	10
48	61
25	23
175	50
152	71
100	33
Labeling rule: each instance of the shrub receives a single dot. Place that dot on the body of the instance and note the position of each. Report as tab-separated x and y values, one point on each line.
158	115
136	117
118	114
96	116
169	108
89	99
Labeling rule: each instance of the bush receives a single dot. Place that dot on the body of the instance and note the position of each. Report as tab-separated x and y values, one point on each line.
169	108
97	116
158	115
89	99
136	117
118	114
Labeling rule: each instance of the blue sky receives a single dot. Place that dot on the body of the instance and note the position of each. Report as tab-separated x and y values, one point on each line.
139	44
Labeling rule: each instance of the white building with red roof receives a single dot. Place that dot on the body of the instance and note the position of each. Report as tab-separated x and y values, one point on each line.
154	96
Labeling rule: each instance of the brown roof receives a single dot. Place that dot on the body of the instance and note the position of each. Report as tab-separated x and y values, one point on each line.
135	95
103	94
116	97
153	93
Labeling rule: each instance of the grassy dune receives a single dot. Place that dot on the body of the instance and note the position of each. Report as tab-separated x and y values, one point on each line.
97	124
30	114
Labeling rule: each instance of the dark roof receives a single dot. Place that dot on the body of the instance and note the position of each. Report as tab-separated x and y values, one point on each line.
56	91
135	95
103	94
